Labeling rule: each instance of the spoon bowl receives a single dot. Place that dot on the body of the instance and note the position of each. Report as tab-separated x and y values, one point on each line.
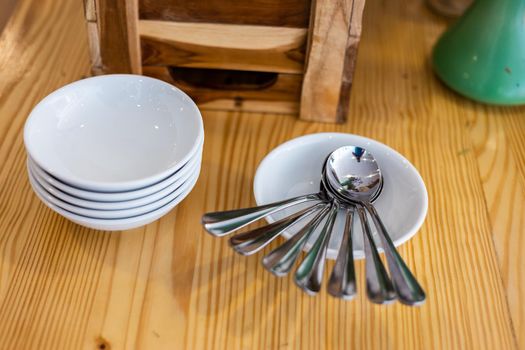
354	173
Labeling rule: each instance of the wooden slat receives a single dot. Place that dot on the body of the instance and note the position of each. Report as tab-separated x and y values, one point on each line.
90	10
93	33
335	29
350	58
132	18
225	46
94	48
119	40
289	13
281	97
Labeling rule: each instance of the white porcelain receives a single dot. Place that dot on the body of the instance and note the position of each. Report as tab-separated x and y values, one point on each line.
116	196
190	169
112	214
294	168
115	224
114	132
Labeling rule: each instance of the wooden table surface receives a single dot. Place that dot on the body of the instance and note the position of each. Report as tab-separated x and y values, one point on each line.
170	285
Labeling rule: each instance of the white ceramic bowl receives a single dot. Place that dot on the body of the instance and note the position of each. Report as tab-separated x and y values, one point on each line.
116	224
114	132
111	214
294	168
189	170
116	196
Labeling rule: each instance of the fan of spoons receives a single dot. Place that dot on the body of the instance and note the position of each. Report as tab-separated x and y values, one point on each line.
351	182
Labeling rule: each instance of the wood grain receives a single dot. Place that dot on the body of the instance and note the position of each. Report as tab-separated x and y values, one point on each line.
497	136
334	33
224	46
290	13
350	58
169	285
90	11
282	96
119	39
7	7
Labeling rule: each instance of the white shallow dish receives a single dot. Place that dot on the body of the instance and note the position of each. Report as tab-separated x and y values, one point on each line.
116	224
294	168
114	209
114	132
188	170
115	196
112	214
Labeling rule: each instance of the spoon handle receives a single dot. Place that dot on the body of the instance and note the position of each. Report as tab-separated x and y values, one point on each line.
342	282
221	223
379	287
280	260
309	275
407	287
251	242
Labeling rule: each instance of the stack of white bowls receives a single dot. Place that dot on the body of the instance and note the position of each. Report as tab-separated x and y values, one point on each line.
114	152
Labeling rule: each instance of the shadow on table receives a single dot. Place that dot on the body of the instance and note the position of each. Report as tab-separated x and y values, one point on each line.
238	295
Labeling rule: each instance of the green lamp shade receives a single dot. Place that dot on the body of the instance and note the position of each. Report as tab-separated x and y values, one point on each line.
482	56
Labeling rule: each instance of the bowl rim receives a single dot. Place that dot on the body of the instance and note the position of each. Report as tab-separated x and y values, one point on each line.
115	186
114	214
121	224
116	196
115	205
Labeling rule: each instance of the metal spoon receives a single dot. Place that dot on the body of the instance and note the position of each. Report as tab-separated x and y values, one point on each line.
281	260
309	274
222	223
379	287
342	282
250	242
355	175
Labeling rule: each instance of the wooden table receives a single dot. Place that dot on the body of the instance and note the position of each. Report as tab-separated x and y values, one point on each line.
170	285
